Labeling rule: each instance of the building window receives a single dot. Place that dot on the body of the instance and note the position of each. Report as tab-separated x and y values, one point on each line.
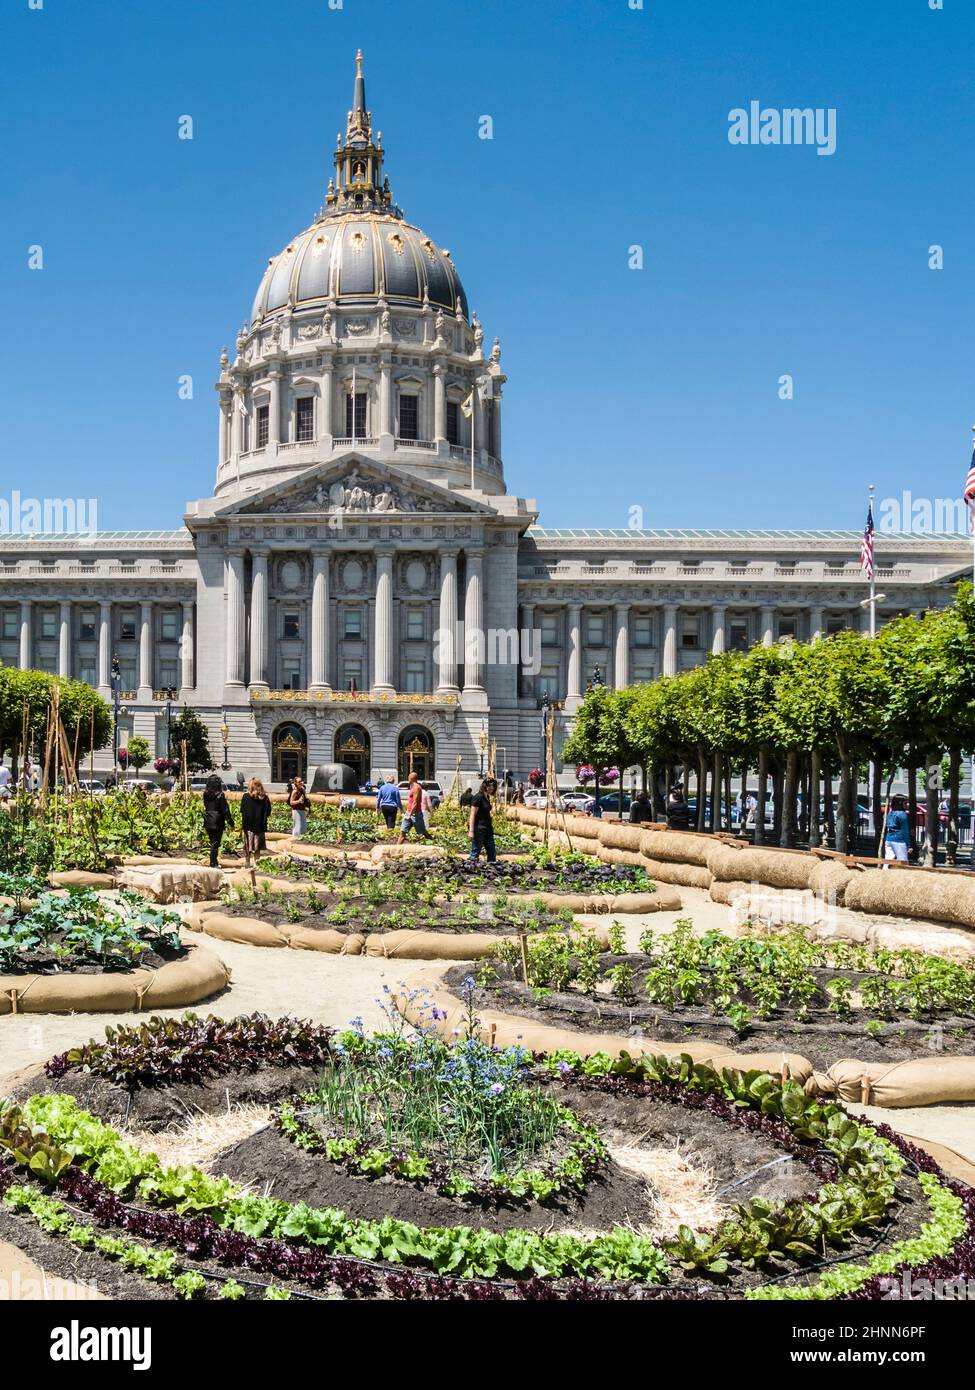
596	631
168	625
355	429
291	673
453	422
414	624
292	625
305	419
548	682
87	626
130	680
352	674
550	630
409	417
738	636
168	675
162	738
835	625
690	635
10	623
49	623
642	630
415	677
263	425
352	625
787	627
126	627
47	664
88	673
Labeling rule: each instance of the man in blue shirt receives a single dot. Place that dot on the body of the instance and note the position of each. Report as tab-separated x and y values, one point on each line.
898	835
389	801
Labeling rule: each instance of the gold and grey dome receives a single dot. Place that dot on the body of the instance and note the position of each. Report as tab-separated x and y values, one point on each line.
358	260
359	250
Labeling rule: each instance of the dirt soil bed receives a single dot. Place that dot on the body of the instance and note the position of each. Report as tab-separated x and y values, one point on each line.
366	916
823	1039
41	961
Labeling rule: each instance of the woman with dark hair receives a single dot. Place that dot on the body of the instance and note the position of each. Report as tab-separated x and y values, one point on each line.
481	827
255	812
216	816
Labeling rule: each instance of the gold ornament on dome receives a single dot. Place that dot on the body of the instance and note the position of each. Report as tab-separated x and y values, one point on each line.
357	242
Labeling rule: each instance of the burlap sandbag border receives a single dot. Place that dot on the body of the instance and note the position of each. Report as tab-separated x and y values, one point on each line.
199	975
888	1085
728	869
405	944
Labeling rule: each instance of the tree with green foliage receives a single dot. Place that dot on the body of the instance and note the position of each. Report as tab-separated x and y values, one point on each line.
138	753
189	728
25	707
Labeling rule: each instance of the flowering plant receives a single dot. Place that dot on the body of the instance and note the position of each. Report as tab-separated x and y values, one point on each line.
536	777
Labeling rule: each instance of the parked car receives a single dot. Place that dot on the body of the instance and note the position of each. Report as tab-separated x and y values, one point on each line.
433	789
537	801
87	787
139	784
609	801
573	801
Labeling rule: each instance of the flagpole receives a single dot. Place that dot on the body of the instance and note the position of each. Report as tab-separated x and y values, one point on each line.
873	571
473	419
352	412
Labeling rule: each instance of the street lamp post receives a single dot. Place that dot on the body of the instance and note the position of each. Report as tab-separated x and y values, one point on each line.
118	709
225	735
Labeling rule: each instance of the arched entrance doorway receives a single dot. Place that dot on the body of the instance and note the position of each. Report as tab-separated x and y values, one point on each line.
289	749
416	752
353	747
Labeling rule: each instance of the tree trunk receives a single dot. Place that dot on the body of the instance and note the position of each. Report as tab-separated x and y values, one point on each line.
656	796
815	838
777	820
762	796
931	802
702	788
714	822
829	808
787	836
954	789
876	782
726	818
843	808
912	802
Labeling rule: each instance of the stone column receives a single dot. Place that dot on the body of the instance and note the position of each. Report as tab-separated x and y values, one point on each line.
26	645
670	640
815	623
768	626
258	670
621	653
236	425
145	651
325	415
718	639
319	622
64	642
528	645
447	628
383	625
274	407
474	637
235	619
224	440
104	645
187	661
439	404
573	673
386	401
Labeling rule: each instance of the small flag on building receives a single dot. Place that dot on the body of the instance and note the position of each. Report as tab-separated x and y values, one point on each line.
866	545
468	406
970	493
353	690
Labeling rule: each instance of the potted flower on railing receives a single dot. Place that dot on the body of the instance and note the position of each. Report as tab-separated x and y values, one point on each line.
536	777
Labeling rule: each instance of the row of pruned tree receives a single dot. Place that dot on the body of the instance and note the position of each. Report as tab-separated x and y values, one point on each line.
807	720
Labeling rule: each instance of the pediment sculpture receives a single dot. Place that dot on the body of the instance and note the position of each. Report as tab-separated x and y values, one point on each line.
353	494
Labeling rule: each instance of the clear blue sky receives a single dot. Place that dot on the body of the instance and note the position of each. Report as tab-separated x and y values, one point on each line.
656	388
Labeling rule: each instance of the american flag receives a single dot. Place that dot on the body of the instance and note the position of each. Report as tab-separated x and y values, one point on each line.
866	545
353	689
970	492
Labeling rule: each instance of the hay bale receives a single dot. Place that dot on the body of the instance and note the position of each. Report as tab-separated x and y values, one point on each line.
675	846
80	878
248	931
773	868
335	943
686	875
178	881
914	893
197	976
898	1085
829	878
617	836
380	854
728	890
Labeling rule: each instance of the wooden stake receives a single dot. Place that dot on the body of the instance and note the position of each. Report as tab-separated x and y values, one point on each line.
523	943
186	771
492	1033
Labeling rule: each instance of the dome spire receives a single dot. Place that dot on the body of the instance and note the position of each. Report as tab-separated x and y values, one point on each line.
359	185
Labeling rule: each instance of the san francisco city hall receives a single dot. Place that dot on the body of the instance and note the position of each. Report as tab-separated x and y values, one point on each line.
360	587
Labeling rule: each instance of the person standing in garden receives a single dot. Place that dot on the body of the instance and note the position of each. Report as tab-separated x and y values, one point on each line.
413	820
898	833
255	812
388	801
217	816
678	816
298	801
480	829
